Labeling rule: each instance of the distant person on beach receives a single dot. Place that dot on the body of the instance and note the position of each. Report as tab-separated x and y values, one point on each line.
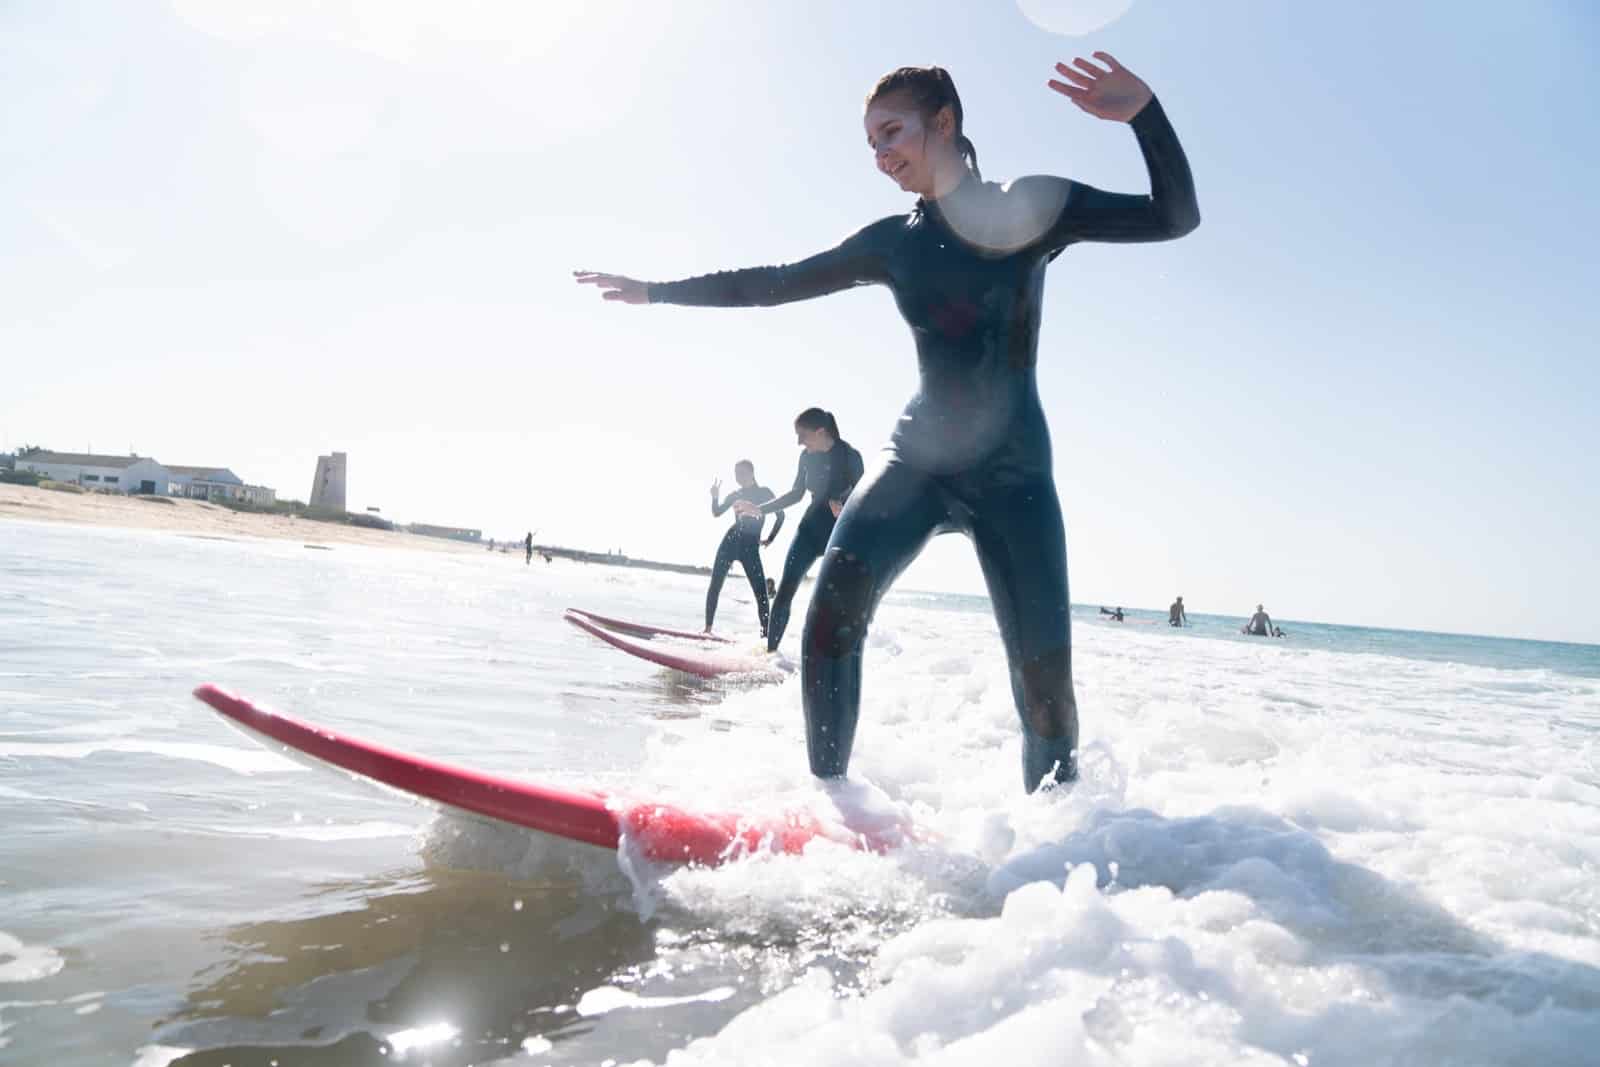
772	586
1116	616
1260	625
1176	616
829	469
742	541
527	543
971	452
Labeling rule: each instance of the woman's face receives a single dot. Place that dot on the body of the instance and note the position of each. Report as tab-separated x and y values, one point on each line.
900	140
813	440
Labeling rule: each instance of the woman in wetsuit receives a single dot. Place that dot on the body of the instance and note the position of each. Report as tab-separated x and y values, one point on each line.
829	469
971	452
743	541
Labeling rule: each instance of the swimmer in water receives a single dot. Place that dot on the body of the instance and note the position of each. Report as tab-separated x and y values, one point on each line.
1176	616
971	452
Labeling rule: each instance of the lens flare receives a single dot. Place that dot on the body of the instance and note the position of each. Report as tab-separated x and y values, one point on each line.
1073	18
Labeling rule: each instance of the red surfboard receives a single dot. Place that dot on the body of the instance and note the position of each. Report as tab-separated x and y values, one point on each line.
701	662
639	629
664	833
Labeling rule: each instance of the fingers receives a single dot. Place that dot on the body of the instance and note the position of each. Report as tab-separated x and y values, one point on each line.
1076	94
1111	61
1076	77
1089	68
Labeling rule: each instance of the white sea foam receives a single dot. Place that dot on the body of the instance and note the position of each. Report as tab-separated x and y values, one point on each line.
1274	855
243	760
21	962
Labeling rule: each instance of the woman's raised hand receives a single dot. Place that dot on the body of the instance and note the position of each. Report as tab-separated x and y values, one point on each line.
1116	94
716	488
615	286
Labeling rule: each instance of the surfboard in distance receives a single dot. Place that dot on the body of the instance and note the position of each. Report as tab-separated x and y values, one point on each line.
699	661
639	629
663	833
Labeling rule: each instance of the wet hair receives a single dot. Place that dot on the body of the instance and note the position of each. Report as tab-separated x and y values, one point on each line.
746	464
817	419
930	88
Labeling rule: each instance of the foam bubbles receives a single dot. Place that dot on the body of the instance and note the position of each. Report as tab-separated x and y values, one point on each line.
27	963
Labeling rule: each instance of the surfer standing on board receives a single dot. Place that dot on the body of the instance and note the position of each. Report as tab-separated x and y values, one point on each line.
829	469
971	453
743	541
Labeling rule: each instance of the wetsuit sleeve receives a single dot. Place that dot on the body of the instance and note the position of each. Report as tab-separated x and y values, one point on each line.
1170	211
793	496
773	536
727	502
858	260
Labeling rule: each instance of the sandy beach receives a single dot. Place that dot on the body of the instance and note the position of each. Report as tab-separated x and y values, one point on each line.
200	518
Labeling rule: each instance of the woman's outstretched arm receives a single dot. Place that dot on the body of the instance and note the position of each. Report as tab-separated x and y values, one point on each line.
858	260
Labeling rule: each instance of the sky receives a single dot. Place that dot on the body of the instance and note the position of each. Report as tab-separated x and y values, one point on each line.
1362	392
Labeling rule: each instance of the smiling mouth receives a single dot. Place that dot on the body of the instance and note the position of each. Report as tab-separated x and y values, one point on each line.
898	169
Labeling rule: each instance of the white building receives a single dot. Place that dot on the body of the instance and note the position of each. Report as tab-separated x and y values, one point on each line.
219	484
140	474
123	474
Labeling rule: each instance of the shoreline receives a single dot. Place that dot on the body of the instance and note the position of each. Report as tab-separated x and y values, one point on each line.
201	518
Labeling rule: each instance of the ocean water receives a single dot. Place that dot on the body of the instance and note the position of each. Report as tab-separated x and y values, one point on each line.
1343	847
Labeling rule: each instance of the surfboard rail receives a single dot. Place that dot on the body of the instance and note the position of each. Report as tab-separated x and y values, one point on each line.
700	662
663	833
639	629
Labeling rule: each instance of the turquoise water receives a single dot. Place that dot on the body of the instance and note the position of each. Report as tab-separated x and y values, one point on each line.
1505	653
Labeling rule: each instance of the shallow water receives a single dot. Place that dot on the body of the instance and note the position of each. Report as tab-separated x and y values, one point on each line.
1345	847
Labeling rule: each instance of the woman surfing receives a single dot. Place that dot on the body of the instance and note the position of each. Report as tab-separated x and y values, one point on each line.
971	452
829	469
743	540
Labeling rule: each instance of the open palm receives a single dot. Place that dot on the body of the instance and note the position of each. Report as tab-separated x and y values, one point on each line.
1113	92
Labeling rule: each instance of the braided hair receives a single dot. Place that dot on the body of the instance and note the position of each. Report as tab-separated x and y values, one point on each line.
930	88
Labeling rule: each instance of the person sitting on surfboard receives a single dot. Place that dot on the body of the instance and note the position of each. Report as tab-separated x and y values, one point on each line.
829	469
971	451
1260	625
742	541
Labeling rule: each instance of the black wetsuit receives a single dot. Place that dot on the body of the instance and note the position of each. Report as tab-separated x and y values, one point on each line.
971	452
742	542
830	475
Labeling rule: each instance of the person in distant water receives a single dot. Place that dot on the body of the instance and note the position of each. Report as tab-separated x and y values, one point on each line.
772	586
742	542
971	451
1176	616
1116	616
829	469
1260	624
527	543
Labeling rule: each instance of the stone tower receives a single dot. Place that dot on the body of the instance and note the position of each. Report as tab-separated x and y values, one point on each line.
327	491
